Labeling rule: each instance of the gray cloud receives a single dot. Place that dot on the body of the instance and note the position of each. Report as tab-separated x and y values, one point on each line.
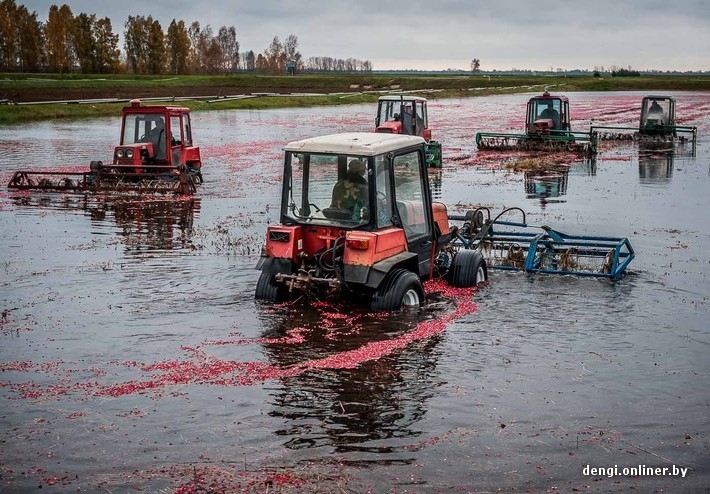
643	34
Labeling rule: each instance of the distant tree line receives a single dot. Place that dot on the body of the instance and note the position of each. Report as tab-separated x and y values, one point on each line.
83	43
625	73
615	71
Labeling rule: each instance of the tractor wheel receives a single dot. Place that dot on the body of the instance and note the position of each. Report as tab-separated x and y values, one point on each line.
267	289
401	288
468	269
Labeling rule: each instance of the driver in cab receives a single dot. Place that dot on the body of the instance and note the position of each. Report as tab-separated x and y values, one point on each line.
550	113
351	193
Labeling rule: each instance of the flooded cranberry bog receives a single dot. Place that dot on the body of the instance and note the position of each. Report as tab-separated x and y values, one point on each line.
135	358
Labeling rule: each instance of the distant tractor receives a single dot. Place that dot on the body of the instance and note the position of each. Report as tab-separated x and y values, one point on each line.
656	123
406	114
547	128
358	222
155	153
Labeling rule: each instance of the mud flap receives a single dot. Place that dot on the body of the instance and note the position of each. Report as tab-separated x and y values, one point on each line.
274	265
372	276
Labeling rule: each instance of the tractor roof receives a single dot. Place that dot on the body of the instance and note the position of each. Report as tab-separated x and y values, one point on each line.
401	97
356	143
548	96
658	97
137	107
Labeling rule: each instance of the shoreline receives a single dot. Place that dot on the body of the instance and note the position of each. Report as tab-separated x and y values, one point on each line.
28	97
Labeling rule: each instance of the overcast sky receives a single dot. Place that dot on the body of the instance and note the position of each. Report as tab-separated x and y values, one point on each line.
441	34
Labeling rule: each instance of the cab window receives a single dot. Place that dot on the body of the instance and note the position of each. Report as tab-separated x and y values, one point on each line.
175	139
410	193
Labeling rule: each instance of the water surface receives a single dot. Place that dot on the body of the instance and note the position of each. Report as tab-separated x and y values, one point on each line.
133	354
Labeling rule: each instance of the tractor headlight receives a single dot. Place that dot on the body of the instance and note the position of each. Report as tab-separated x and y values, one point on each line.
129	153
119	153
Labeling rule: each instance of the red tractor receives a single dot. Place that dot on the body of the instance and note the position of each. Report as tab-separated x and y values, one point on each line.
155	154
406	114
358	222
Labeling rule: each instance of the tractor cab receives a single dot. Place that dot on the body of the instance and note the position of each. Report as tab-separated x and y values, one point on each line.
157	136
400	114
406	114
546	113
357	181
657	115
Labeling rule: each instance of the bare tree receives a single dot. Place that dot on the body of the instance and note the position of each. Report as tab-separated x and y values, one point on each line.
275	57
475	65
329	64
292	53
249	61
261	64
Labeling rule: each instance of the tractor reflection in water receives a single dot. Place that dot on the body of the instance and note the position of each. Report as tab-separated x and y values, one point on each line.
546	184
369	395
145	224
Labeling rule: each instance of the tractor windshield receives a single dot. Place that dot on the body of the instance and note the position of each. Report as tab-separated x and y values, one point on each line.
388	111
547	109
656	111
143	128
140	128
327	188
411	113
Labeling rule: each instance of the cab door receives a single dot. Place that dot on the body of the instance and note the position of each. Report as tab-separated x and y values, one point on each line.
176	139
413	206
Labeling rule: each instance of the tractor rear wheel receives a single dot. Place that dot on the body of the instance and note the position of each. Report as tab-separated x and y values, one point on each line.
468	269
267	289
401	288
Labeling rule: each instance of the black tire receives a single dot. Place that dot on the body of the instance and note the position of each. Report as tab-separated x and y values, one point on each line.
267	289
401	288
468	269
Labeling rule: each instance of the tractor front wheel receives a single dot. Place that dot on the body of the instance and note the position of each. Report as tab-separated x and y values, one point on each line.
468	269
267	289
401	288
